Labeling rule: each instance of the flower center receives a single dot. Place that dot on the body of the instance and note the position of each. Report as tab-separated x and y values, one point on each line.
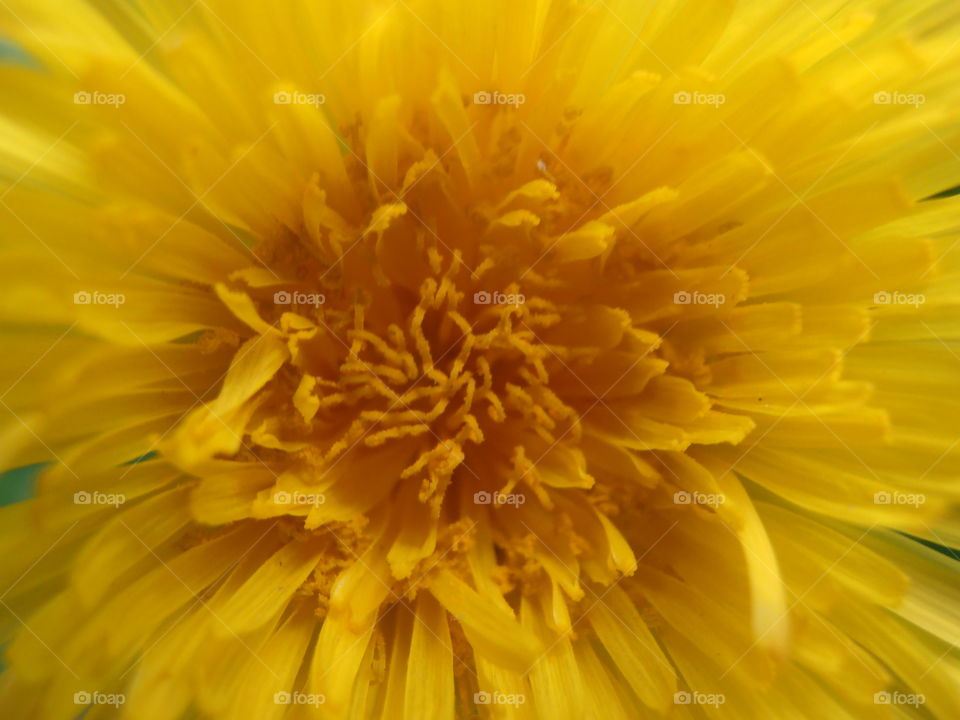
454	361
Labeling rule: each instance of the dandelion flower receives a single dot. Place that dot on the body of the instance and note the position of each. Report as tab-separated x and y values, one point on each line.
527	359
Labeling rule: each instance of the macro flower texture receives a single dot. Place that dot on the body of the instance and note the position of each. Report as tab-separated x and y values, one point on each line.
501	359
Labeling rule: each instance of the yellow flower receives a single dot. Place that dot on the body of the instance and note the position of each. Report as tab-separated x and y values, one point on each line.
518	359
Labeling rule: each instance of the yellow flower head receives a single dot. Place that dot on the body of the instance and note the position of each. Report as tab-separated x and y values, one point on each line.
513	359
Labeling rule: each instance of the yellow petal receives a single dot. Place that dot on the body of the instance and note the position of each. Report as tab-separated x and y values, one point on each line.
269	589
429	689
492	631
